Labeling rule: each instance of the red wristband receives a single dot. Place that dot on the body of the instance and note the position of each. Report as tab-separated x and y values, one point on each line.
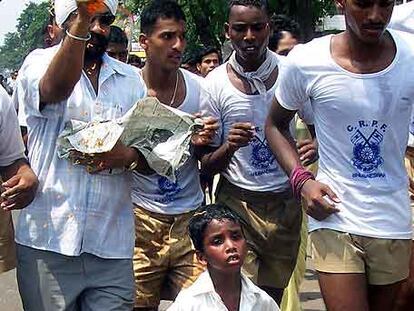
297	179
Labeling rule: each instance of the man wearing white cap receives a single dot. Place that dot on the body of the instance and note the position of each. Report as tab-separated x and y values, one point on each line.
75	241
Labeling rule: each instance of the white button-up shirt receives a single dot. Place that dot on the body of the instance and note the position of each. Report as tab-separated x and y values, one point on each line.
201	296
75	212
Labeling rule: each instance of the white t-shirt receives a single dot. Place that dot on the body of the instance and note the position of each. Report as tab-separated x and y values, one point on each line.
11	143
201	296
403	17
253	167
361	122
158	194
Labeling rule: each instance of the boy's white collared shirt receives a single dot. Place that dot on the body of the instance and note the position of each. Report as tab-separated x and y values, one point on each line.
201	296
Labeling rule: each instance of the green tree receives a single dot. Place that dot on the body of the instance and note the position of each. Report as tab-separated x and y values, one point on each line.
206	18
27	37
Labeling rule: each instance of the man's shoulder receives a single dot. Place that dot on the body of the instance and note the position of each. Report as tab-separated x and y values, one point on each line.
217	74
404	41
39	57
192	77
308	52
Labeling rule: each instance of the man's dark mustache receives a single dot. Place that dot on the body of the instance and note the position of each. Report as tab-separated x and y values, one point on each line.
99	39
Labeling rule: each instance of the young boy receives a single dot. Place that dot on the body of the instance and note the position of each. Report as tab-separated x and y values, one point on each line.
220	245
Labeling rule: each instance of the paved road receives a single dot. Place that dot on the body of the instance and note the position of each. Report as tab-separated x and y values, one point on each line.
310	295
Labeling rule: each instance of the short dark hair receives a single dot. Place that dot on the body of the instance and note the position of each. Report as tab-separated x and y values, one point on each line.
261	4
207	50
190	57
203	217
117	36
281	23
165	9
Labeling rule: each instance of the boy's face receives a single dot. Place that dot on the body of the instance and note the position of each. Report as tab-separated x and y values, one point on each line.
165	45
367	19
224	246
248	29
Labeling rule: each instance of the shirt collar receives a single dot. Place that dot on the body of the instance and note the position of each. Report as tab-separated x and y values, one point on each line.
204	285
114	65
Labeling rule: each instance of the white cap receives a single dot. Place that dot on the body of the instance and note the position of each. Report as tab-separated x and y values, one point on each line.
63	8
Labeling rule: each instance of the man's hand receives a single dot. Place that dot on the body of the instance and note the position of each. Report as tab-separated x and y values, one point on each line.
90	7
240	135
205	136
319	200
20	189
308	151
120	156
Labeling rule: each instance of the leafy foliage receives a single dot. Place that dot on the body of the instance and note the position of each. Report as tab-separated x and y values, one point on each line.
27	37
205	18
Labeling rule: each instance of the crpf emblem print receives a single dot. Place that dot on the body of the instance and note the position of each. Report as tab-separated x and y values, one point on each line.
262	156
367	138
168	186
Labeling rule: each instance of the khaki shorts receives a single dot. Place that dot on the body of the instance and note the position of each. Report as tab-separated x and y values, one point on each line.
7	244
272	223
164	257
384	261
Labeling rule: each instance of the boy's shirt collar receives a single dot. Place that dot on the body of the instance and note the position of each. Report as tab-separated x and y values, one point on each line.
204	285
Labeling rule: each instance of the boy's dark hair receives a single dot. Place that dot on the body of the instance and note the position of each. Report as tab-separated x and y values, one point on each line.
165	9
117	36
203	216
207	50
261	4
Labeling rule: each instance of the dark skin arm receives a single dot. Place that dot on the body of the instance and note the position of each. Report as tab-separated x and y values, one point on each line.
219	158
19	187
282	145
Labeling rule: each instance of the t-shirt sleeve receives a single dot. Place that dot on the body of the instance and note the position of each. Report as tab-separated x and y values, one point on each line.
11	143
306	113
210	107
291	85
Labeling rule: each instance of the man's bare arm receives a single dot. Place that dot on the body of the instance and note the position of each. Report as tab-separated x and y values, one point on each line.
282	145
66	67
279	138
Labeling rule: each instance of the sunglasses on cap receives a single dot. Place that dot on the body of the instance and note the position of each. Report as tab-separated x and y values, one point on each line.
105	19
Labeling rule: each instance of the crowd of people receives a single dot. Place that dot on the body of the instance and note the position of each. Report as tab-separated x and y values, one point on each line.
274	113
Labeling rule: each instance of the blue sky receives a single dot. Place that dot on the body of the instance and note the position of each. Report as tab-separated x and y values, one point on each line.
10	10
